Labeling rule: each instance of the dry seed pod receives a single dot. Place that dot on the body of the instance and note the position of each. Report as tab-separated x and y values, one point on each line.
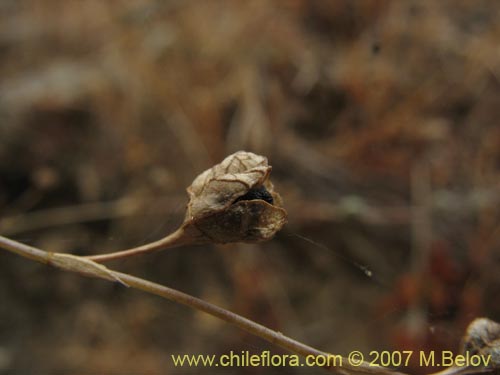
231	202
483	337
235	201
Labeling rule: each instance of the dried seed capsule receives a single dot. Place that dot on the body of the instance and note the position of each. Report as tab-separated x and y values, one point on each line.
483	338
235	201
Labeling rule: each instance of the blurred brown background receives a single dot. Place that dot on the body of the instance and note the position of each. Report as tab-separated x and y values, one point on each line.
380	119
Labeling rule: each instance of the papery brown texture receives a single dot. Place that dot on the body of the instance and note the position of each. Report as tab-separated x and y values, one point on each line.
483	338
218	205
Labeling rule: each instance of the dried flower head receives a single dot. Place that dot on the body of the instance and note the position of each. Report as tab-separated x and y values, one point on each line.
235	201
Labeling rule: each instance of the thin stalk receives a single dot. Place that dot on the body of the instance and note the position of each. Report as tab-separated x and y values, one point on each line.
87	267
175	239
90	268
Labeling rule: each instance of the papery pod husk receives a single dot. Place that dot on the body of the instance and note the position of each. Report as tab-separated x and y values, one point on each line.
483	337
213	207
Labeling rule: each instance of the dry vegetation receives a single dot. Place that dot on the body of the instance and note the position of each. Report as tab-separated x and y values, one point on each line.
380	119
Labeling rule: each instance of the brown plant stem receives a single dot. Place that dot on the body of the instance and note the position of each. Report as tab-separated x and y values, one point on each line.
175	239
90	268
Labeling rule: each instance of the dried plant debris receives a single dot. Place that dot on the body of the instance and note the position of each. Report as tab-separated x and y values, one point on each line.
235	201
483	338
